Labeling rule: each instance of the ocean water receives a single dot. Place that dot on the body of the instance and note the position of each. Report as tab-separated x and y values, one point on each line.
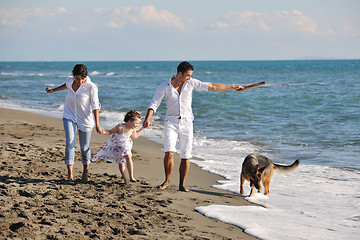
308	110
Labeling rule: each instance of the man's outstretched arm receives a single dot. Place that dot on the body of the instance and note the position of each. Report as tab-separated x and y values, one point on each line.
224	87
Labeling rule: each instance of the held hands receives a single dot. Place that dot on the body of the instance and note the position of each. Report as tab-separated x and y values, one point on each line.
147	124
100	130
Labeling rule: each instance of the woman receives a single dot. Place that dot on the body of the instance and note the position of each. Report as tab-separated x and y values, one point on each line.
81	108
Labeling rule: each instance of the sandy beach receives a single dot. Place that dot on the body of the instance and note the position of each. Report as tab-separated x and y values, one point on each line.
37	202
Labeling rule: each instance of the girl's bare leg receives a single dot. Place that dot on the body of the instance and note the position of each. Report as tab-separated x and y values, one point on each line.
122	171
70	172
130	167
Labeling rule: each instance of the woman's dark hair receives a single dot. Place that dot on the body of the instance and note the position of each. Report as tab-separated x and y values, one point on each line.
80	69
184	67
132	115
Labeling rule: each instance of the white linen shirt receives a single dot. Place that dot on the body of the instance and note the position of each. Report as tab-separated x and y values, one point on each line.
79	105
178	105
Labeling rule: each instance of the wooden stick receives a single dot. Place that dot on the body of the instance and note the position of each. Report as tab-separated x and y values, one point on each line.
253	85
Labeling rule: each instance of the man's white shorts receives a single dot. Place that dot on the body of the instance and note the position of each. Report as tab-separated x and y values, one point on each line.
178	128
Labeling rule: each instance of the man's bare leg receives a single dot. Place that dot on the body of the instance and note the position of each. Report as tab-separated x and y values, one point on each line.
168	167
183	170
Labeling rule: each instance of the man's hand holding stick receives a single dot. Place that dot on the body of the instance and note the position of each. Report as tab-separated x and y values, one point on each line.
252	86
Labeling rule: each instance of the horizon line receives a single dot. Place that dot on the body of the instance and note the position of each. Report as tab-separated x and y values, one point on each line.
259	60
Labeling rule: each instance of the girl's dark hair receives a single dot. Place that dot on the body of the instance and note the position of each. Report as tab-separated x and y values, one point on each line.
80	69
184	67
132	115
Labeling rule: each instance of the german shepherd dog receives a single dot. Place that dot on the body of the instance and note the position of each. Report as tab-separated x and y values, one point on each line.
257	167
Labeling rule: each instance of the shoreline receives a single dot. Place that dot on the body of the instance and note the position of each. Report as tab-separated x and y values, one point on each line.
33	178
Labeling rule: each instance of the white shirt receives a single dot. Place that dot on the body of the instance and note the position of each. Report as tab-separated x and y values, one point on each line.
79	105
178	105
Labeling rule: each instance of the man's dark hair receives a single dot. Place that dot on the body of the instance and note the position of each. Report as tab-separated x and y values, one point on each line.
184	67
80	69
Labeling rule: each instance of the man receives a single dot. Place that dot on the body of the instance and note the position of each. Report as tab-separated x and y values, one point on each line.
179	117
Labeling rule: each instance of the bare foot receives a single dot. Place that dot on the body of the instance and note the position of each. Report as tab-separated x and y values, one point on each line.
126	182
133	180
164	185
84	178
183	189
70	177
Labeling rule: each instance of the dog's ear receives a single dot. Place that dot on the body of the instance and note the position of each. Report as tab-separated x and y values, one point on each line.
261	169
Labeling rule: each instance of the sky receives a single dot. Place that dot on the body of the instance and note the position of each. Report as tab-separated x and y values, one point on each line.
164	30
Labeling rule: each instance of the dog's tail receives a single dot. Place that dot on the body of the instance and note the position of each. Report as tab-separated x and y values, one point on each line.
288	168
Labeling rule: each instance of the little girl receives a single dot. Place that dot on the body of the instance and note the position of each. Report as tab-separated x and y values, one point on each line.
118	148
